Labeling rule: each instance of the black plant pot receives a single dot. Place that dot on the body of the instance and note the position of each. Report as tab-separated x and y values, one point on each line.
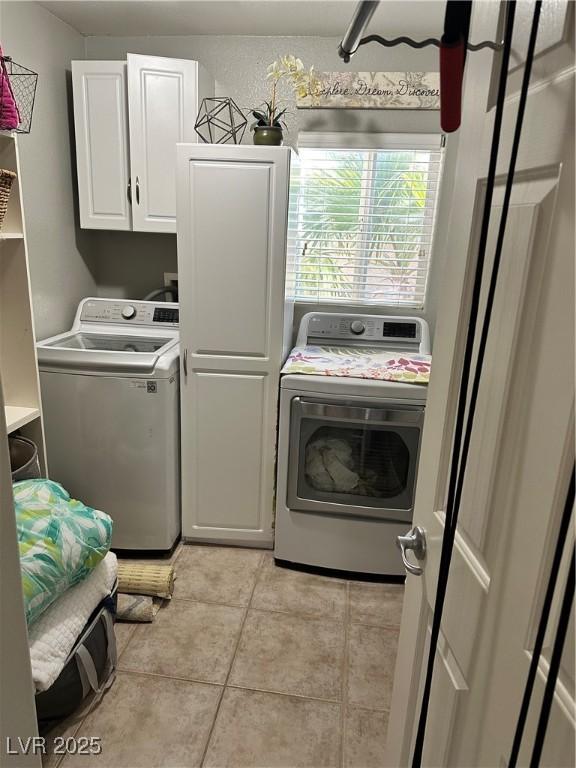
268	135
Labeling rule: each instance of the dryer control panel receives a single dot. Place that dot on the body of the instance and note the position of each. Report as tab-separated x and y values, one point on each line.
326	327
126	312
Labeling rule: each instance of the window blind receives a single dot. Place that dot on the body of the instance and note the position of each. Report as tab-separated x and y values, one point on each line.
361	224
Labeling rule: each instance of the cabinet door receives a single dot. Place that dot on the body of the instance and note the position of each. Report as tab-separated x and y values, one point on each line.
232	218
228	495
232	205
163	105
101	125
232	251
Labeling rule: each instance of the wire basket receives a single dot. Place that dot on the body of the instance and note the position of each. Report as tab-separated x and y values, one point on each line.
17	93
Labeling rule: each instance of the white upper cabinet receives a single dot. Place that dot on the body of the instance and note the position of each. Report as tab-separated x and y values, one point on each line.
129	117
101	122
163	99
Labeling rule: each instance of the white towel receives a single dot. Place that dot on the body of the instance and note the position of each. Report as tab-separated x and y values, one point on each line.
329	465
53	634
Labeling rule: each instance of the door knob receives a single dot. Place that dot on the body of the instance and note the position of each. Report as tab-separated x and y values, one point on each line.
414	540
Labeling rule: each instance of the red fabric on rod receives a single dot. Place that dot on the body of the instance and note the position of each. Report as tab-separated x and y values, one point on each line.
451	77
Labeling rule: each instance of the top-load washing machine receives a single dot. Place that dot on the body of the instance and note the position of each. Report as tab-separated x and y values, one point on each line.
352	403
110	395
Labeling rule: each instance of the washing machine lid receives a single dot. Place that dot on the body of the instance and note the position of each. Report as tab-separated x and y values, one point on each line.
111	353
107	343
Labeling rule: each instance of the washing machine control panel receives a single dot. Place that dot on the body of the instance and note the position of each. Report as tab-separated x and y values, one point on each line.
158	314
129	312
365	328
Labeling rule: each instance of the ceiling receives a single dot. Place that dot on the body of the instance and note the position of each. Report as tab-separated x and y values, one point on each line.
325	18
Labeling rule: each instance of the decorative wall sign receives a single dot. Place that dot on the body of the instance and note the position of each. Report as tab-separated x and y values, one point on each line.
374	90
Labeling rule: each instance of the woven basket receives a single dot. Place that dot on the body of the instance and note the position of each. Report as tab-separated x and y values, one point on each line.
6	179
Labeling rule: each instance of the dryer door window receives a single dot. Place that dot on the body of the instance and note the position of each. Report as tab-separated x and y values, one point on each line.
354	460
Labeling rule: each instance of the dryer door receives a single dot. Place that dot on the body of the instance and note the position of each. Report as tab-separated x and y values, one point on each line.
353	460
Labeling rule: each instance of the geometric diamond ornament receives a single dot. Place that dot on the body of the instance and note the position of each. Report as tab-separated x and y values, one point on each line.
220	120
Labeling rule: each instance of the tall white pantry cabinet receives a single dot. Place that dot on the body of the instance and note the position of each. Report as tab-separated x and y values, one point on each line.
235	332
128	117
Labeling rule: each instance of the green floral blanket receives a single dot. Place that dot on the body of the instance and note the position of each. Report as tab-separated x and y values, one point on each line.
61	540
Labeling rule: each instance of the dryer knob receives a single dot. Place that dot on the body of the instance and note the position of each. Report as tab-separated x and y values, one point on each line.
357	327
128	312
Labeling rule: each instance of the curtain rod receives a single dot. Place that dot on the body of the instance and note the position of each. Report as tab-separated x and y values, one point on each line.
365	9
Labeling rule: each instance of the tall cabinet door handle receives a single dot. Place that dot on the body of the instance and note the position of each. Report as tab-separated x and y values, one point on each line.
137	191
130	190
185	363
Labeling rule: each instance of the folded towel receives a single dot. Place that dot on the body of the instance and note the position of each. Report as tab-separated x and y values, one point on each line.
137	607
9	115
53	635
329	465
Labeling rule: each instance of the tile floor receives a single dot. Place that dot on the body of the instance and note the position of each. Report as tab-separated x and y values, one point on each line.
249	665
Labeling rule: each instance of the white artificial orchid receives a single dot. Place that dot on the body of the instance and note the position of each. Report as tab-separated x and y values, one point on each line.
302	82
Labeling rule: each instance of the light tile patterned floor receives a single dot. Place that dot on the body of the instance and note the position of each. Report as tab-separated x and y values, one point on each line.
250	665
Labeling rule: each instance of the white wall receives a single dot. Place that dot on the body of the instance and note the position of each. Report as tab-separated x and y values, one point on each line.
61	265
239	63
130	265
68	263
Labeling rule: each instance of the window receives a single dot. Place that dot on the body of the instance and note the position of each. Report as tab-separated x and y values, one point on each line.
361	224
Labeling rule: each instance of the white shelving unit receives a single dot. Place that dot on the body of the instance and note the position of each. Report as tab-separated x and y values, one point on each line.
18	365
20	400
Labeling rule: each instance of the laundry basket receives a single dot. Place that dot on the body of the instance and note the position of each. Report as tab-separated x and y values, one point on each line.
6	179
23	459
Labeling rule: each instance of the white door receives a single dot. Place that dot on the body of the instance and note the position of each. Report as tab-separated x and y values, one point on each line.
163	101
232	218
102	157
522	446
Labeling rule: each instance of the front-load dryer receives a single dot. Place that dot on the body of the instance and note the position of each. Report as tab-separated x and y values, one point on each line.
352	404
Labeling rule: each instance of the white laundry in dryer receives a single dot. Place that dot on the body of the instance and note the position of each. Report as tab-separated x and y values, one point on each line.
352	402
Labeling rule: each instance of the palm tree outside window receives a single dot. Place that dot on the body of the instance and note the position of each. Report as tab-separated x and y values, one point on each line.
361	225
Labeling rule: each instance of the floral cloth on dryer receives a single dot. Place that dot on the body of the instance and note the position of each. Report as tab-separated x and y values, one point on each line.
360	362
